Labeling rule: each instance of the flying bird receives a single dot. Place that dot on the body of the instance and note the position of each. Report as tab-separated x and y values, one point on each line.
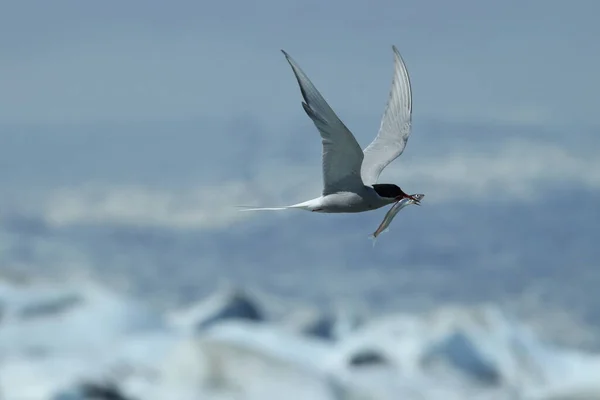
350	174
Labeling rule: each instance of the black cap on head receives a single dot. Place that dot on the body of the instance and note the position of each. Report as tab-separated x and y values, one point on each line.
388	190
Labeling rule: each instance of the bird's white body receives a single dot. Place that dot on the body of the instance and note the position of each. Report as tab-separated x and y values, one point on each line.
350	174
338	202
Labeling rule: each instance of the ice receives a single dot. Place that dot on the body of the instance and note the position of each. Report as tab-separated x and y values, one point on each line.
54	339
226	303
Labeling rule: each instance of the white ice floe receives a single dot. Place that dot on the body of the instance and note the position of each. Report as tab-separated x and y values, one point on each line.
52	339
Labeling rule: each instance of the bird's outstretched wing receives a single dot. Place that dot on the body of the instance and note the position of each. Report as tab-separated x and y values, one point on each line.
342	155
395	125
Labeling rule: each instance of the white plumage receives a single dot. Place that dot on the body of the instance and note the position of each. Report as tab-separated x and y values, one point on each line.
349	174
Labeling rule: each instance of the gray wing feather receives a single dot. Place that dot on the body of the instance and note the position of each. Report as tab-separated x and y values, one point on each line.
342	155
395	125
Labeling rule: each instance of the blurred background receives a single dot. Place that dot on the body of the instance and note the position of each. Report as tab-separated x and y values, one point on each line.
130	131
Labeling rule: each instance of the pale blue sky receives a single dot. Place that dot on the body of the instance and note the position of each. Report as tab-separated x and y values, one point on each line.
70	61
199	110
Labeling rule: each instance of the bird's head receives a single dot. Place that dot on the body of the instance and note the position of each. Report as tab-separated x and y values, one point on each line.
394	193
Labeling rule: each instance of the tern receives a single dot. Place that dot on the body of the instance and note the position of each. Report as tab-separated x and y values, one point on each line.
350	174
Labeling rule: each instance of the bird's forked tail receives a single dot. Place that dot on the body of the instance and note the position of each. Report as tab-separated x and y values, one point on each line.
249	208
310	205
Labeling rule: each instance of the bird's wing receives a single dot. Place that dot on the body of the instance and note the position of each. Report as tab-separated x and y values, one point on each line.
342	155
395	125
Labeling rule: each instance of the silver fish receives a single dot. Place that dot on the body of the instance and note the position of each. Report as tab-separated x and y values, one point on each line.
395	209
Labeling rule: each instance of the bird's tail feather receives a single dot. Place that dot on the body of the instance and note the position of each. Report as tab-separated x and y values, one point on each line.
249	208
309	205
